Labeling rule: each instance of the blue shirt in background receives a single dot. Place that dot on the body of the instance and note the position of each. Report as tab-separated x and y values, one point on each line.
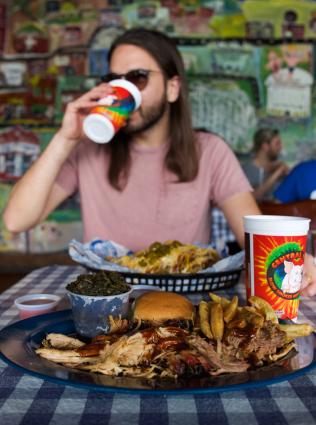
299	184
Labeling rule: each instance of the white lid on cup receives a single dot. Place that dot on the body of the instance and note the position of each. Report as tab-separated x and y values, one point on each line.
129	87
98	128
276	225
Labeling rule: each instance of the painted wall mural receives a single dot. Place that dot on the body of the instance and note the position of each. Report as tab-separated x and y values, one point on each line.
249	63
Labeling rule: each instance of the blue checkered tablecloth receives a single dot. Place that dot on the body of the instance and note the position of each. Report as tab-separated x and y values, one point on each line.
28	400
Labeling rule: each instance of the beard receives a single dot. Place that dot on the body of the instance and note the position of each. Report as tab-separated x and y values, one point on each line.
273	156
149	117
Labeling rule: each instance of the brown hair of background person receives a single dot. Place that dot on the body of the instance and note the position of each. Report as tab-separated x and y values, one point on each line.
263	135
182	157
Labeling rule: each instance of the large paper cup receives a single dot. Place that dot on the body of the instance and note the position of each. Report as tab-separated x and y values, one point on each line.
275	248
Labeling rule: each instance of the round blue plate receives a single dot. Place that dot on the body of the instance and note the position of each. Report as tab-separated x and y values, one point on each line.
19	340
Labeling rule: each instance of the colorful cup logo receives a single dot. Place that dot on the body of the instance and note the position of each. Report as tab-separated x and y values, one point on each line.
116	107
105	120
274	262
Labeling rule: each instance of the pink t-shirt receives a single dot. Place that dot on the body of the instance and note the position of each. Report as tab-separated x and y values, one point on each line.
151	207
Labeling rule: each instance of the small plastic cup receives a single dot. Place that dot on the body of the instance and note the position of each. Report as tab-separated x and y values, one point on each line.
35	304
106	119
91	313
275	248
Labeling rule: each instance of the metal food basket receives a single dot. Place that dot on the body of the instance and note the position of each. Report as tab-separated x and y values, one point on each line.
186	283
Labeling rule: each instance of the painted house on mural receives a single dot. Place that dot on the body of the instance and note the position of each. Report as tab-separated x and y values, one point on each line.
18	150
289	93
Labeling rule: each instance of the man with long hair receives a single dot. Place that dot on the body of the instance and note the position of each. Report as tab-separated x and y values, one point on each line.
156	180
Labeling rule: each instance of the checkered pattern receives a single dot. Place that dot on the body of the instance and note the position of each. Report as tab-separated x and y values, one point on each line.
27	400
220	230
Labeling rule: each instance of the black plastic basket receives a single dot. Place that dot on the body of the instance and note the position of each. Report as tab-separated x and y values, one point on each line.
186	283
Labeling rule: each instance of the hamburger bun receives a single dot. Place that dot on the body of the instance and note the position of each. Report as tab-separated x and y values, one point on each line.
160	307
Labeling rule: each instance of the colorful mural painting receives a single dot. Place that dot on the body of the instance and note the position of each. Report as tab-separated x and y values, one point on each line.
249	63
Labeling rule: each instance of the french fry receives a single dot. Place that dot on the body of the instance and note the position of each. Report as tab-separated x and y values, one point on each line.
297	330
204	319
230	310
217	321
221	300
264	307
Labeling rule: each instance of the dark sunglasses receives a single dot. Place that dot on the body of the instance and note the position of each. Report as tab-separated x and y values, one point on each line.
139	77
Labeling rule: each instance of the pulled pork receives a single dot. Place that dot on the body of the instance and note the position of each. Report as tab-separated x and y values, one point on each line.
167	352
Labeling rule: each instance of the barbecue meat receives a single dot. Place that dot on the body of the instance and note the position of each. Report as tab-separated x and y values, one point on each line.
254	344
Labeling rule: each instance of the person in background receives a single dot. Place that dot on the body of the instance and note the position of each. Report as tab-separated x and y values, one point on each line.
264	170
299	184
156	179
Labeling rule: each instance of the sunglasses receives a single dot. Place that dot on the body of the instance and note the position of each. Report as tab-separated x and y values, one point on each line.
139	77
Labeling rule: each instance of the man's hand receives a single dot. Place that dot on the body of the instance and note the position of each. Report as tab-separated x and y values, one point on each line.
280	169
308	287
77	110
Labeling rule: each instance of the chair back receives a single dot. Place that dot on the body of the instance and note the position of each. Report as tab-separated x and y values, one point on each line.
306	208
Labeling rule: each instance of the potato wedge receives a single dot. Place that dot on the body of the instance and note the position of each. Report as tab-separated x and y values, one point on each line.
221	300
297	330
231	309
264	307
217	321
204	319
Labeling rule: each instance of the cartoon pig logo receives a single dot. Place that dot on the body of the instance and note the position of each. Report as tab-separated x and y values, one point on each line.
292	280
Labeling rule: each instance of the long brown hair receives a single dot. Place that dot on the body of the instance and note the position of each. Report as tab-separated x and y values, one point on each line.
182	156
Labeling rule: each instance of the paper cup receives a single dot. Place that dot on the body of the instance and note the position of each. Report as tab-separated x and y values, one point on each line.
113	111
275	248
